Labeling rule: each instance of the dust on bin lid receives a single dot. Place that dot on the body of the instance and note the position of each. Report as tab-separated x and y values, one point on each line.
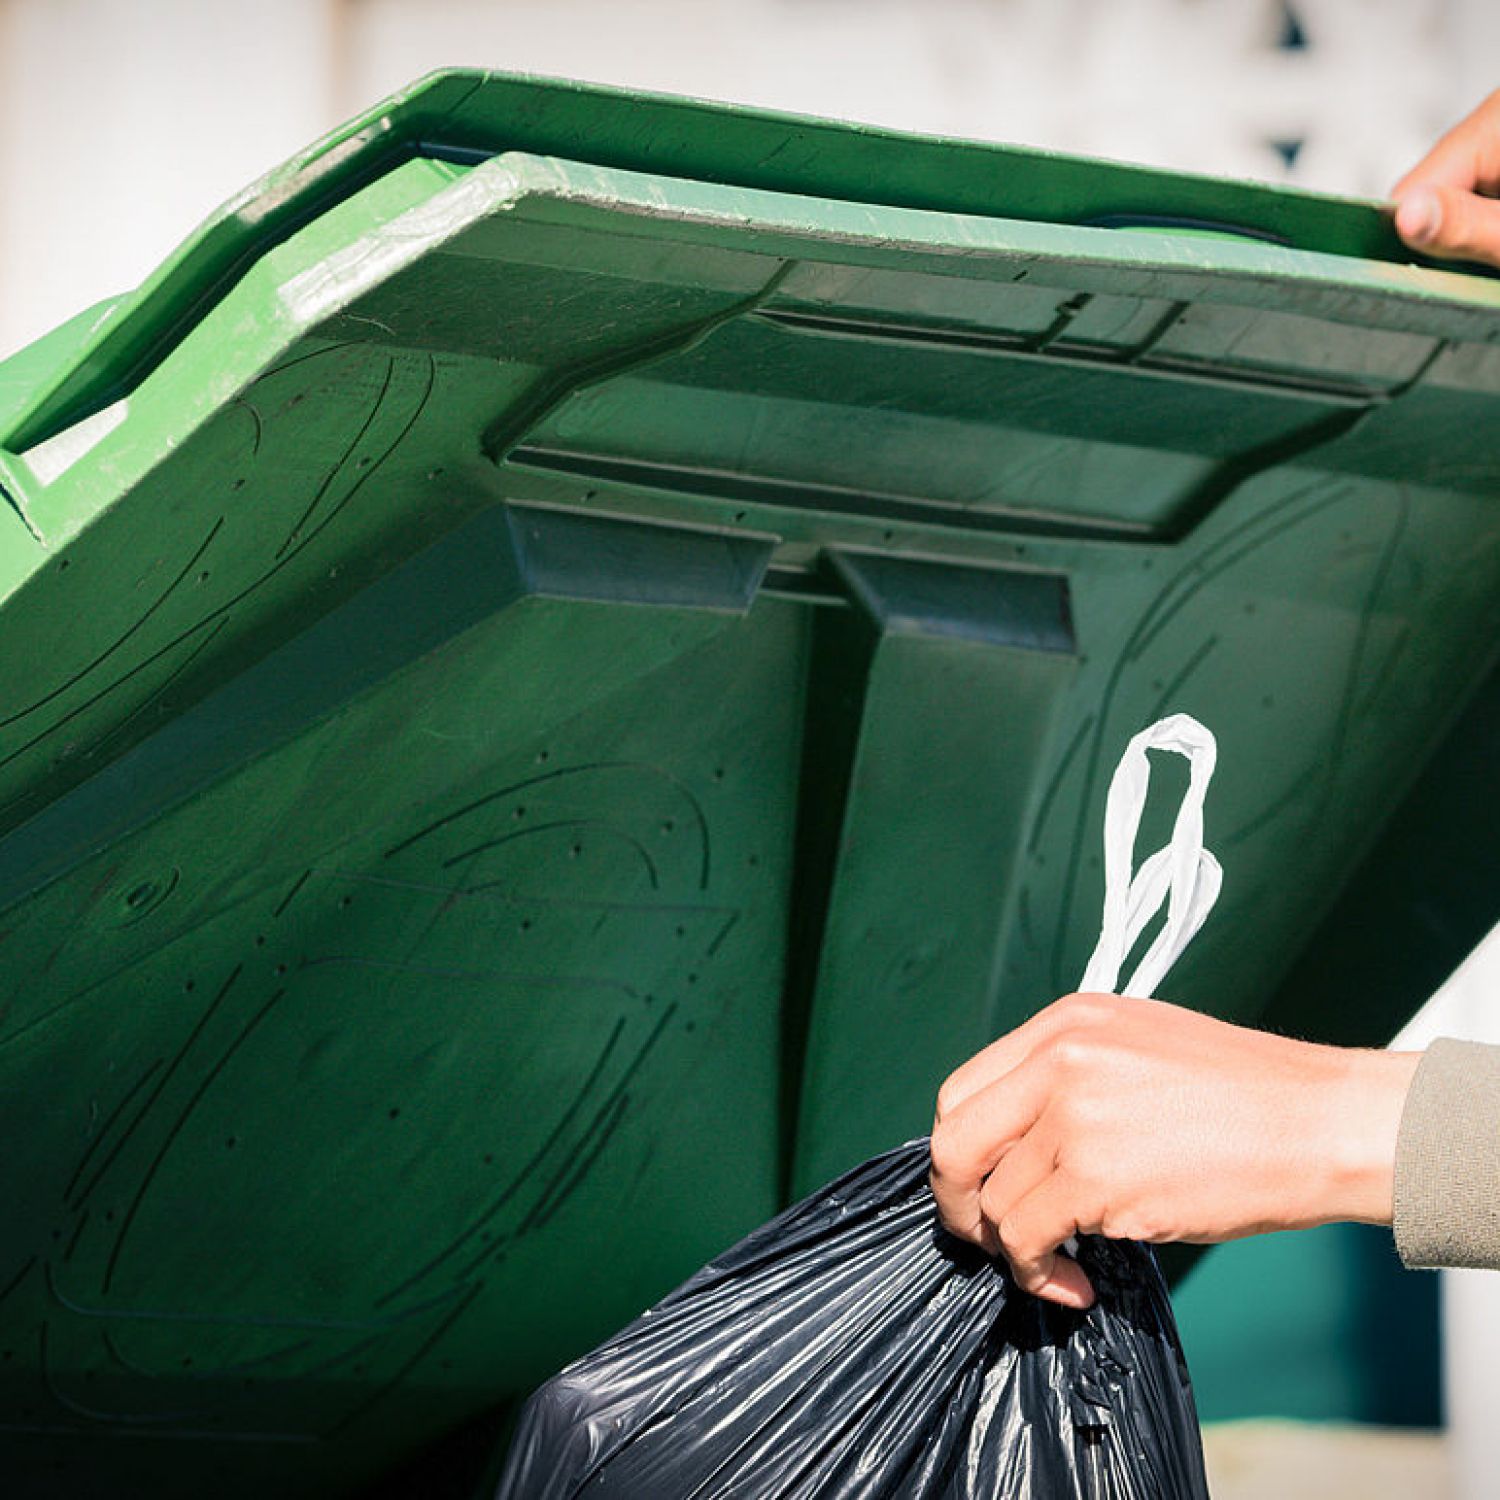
566	636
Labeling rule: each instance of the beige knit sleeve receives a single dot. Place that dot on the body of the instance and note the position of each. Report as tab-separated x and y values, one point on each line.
1447	1191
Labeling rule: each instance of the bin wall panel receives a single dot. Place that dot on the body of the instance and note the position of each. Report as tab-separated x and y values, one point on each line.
465	1019
948	665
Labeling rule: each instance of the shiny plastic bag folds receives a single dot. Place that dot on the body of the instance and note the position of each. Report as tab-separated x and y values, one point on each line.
851	1349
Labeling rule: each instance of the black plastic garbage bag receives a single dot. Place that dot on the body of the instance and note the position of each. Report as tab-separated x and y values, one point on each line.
852	1348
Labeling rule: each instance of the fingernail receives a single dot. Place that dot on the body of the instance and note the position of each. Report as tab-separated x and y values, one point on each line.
1419	216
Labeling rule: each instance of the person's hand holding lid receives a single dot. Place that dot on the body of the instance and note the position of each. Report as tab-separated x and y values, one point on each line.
1446	206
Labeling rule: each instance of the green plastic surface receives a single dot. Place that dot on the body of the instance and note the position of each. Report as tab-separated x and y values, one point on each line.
560	662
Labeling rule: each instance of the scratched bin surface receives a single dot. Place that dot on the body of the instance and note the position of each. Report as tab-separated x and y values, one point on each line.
558	664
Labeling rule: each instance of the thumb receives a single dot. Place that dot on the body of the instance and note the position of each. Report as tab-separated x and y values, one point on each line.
1062	1280
1450	223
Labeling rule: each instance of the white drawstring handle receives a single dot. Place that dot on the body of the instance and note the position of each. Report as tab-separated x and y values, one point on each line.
1184	873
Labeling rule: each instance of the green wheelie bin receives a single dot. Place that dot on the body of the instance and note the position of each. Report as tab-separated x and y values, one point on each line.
558	666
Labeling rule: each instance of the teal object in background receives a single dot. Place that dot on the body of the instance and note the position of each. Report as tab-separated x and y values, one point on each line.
558	668
1322	1325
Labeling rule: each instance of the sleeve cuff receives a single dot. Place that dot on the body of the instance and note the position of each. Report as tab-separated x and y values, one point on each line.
1447	1182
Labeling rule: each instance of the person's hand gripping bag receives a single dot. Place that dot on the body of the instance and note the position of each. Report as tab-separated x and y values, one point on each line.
852	1350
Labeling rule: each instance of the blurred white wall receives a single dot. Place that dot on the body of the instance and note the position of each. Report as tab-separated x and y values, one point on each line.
124	122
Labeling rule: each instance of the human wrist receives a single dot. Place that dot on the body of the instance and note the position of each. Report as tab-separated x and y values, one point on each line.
1361	1108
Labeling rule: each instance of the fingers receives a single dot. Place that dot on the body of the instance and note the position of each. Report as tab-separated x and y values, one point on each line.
1034	1207
969	1142
1443	207
993	1100
1450	223
1025	1210
1032	1231
1020	1172
1010	1051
